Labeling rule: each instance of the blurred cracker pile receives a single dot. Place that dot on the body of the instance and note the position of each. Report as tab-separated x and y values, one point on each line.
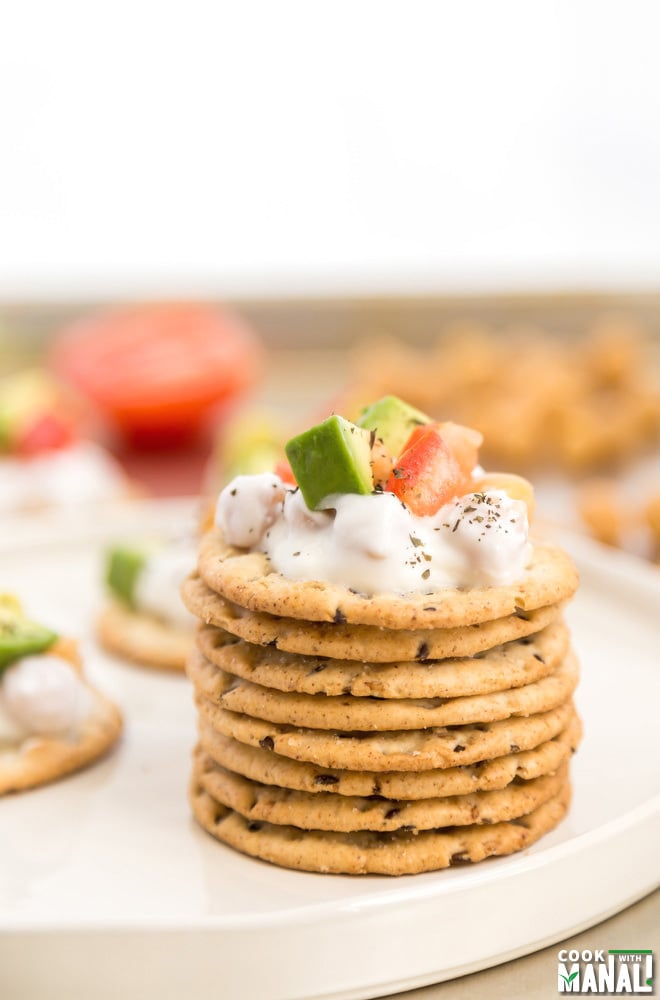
624	518
569	403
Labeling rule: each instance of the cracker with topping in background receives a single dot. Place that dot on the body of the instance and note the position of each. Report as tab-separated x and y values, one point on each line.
52	721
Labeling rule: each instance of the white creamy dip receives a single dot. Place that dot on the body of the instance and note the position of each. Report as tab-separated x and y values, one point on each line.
41	695
81	473
157	586
250	505
374	543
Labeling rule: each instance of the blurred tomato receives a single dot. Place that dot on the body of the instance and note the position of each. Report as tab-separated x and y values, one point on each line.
48	432
158	371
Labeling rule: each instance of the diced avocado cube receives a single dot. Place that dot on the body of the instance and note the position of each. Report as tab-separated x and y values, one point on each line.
393	421
18	635
124	565
331	458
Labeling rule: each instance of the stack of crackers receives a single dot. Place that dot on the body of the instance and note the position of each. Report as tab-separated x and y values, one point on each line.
387	734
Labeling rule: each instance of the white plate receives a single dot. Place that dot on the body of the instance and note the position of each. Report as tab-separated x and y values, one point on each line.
107	879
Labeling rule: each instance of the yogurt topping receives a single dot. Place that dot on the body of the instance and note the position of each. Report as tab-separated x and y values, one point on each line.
41	695
374	543
157	587
249	505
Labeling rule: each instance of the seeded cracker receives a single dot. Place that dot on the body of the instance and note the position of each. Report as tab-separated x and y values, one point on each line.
412	750
345	712
143	638
247	579
272	769
349	814
507	666
360	642
364	853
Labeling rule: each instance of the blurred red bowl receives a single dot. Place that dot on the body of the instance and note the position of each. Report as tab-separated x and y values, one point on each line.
159	372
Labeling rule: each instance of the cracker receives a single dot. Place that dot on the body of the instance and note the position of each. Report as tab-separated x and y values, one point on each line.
359	642
346	713
40	760
348	814
510	665
272	769
402	853
248	579
415	750
143	638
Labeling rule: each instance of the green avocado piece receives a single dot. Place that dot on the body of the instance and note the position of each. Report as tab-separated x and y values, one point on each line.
393	421
333	457
124	565
19	636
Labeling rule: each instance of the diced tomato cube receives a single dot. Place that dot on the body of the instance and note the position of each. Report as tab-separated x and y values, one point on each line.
463	442
285	472
427	473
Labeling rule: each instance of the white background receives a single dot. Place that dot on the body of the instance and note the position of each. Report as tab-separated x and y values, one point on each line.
304	146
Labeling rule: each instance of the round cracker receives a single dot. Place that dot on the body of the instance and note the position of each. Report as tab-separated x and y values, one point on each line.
348	814
359	642
347	713
40	760
248	579
360	853
143	638
510	665
272	769
415	750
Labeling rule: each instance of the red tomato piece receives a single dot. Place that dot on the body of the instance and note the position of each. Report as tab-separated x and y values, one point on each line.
47	433
427	474
285	472
463	442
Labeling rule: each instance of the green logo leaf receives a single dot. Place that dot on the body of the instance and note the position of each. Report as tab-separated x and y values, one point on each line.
569	979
